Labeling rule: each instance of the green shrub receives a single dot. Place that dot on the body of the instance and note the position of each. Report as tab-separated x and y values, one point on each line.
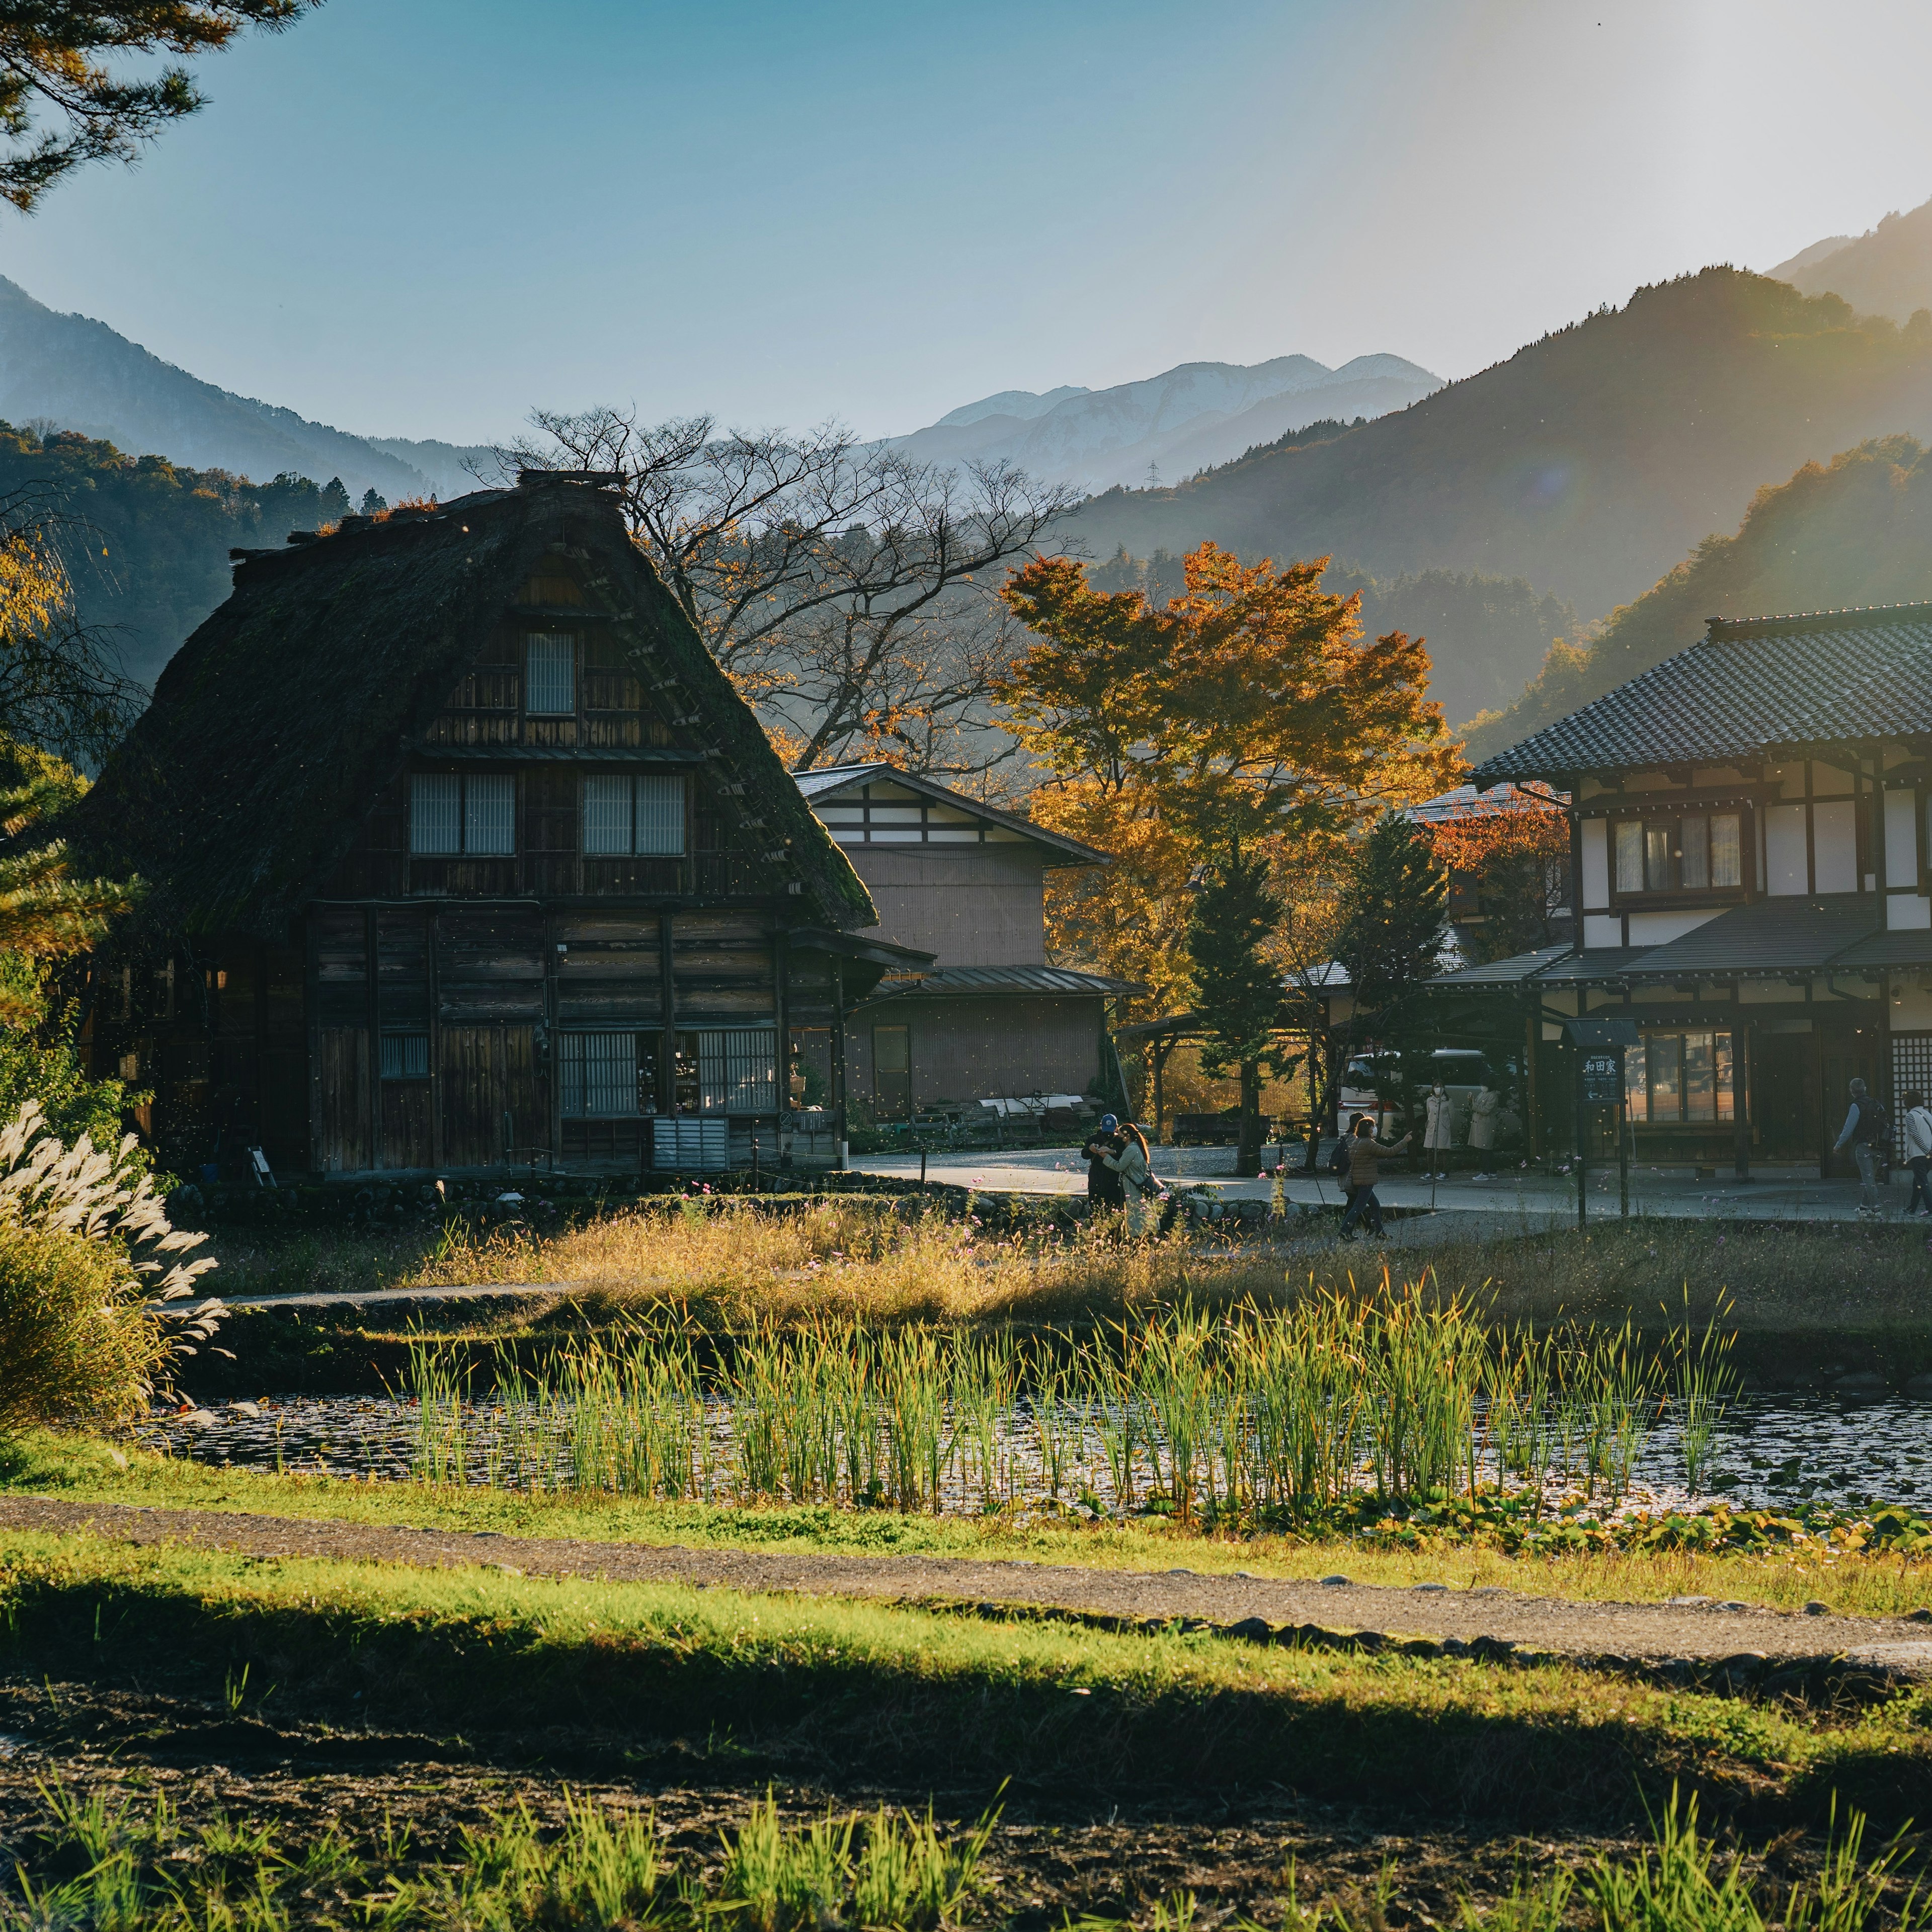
76	1339
93	1292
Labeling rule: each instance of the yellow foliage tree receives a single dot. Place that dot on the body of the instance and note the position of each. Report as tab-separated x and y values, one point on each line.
1248	713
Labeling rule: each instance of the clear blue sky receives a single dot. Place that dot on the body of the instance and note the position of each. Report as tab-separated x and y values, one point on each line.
421	218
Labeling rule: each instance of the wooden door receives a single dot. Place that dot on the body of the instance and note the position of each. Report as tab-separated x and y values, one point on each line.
495	1104
342	1098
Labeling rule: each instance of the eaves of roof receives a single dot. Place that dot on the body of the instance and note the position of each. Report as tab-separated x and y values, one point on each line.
1750	689
827	783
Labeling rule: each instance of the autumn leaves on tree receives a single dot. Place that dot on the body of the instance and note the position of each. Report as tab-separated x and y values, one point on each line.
1246	728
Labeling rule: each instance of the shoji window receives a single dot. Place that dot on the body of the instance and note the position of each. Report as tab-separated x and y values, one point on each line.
608	1075
624	816
470	814
549	674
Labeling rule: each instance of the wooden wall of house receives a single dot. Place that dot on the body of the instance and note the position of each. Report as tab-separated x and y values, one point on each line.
975	1049
217	1035
487	990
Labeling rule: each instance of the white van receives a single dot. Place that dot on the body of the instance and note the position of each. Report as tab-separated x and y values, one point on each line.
1464	1072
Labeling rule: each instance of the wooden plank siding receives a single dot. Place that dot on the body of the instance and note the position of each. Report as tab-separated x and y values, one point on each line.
412	1021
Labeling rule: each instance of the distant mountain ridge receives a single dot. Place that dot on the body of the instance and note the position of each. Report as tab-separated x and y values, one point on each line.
80	374
1887	271
1589	462
1187	418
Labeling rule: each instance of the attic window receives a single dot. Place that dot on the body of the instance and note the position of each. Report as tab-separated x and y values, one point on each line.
453	814
624	817
541	590
549	674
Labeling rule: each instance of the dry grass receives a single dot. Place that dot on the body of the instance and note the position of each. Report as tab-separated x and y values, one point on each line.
876	1261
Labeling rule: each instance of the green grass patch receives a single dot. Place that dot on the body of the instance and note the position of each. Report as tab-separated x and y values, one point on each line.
81	1468
915	1697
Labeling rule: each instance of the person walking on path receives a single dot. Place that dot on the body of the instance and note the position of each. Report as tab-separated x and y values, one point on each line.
1438	1133
1103	1183
1864	1132
1365	1154
1917	1128
1132	1169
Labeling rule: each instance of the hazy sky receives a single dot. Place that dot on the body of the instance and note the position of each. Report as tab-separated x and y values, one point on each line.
421	218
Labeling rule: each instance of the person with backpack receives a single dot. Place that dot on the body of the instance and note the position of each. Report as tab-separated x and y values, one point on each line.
1916	1127
1867	1129
1365	1154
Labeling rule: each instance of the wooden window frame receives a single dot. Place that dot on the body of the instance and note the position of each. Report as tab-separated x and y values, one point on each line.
1673	897
464	779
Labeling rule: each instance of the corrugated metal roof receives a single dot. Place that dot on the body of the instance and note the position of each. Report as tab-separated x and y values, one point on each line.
1510	972
1015	979
1887	949
1750	687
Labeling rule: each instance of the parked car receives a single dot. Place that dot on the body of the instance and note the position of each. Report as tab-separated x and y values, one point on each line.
1464	1072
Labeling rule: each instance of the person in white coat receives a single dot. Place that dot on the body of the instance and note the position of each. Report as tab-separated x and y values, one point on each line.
1916	1131
1133	1164
1483	1111
1438	1132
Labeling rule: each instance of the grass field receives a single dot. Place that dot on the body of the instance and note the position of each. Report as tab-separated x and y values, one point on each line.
199	1739
80	1468
909	1697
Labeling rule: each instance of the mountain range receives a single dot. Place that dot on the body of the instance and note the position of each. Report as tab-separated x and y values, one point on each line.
1187	419
74	374
1886	270
1590	463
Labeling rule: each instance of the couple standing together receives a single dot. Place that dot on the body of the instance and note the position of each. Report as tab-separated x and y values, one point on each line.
1119	1170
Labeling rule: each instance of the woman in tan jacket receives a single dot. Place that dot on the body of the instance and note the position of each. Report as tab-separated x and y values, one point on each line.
1365	1154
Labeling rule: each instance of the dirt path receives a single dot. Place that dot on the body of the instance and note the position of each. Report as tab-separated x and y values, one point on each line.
1751	1639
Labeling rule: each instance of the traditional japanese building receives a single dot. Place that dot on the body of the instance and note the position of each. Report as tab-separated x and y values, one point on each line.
966	882
1749	864
461	851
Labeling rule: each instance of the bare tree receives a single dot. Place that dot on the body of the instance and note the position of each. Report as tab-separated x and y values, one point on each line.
847	591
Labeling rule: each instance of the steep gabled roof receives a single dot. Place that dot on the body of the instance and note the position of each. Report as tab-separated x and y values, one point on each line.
832	781
1752	687
276	723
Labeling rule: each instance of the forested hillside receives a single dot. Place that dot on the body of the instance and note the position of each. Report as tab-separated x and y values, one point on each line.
1588	463
1858	530
147	544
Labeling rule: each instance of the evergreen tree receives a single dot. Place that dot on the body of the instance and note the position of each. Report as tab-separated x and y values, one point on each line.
372	502
1395	914
334	500
1237	988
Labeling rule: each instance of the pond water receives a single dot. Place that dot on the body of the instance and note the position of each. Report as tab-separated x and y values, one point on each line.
1770	1452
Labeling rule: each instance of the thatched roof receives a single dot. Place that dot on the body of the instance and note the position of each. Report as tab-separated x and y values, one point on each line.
275	725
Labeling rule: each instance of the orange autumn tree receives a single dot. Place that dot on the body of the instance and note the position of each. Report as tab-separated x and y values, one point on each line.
1248	714
1507	855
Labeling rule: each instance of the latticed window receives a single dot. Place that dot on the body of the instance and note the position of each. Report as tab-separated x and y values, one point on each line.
406	1056
627	816
467	815
550	675
737	1071
490	814
436	814
607	1075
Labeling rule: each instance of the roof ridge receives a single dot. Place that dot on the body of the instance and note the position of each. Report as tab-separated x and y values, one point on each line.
1797	623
